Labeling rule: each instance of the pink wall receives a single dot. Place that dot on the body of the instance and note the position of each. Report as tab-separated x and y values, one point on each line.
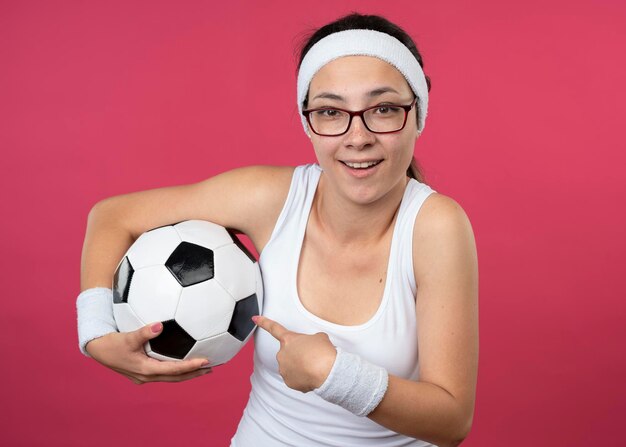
525	131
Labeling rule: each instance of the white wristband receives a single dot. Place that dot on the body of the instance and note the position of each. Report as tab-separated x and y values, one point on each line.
94	308
354	384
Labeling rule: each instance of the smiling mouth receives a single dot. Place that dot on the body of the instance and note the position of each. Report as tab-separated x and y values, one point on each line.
361	165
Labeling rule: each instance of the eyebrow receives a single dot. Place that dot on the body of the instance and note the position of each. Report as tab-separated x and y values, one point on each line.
371	94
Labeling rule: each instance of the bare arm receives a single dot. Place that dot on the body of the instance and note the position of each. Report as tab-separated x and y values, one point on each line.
245	199
439	407
104	245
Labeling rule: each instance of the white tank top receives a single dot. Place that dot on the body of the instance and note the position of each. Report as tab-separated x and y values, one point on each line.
277	415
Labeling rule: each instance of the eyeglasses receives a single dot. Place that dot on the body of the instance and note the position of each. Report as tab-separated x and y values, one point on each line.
383	118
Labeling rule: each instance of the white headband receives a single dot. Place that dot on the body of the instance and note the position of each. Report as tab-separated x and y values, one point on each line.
363	42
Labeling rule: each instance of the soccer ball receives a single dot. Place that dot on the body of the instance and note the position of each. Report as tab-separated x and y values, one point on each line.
198	280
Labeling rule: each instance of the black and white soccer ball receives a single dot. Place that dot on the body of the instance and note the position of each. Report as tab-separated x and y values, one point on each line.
199	281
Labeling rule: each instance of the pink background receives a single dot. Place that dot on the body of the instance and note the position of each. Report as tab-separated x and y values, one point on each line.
525	130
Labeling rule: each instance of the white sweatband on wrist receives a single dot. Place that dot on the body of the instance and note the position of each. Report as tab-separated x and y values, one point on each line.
363	42
94	309
354	384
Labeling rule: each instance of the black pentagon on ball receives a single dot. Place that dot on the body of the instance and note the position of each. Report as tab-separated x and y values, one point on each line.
190	264
173	341
241	324
121	281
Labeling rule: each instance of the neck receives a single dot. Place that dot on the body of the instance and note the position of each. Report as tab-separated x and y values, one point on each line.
352	223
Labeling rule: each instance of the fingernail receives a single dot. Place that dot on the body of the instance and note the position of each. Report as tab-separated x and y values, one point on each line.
255	318
156	327
205	363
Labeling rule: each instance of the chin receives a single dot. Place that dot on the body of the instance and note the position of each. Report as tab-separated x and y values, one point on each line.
366	195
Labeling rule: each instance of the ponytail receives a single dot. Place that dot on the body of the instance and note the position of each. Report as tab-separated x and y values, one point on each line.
414	171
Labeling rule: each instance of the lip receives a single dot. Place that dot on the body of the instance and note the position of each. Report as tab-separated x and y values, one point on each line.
361	172
362	161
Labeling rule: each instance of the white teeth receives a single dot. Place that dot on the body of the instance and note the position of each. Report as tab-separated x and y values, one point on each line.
365	164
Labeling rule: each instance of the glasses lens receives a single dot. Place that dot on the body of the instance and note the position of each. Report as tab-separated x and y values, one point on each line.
329	121
385	118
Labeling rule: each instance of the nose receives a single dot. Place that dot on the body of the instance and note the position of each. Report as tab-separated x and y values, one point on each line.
358	135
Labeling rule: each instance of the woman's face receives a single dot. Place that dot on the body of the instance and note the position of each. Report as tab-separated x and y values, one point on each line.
355	83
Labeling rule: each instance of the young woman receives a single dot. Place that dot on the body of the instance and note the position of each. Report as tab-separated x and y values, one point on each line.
369	333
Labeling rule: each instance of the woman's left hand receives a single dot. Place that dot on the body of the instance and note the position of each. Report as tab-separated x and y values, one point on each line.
304	361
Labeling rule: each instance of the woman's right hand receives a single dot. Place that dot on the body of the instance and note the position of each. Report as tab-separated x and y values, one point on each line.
124	352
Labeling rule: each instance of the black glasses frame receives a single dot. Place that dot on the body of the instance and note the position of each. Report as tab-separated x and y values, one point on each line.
359	113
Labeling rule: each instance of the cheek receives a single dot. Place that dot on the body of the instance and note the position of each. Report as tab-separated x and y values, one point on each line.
403	149
323	150
403	156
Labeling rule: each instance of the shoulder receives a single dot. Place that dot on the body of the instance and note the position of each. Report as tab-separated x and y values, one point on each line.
442	231
258	185
262	191
261	176
439	209
266	188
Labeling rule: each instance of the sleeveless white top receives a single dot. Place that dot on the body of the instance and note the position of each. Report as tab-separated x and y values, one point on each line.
277	415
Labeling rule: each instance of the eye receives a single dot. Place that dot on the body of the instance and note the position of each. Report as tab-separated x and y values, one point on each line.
327	113
386	109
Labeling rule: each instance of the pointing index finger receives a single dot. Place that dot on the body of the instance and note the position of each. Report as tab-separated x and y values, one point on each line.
275	329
